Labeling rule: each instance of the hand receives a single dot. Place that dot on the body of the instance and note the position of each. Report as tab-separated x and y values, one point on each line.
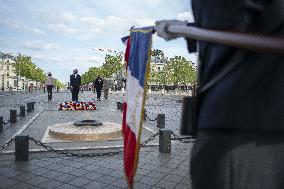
162	28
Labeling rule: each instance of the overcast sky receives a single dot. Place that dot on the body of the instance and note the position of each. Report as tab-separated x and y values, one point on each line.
59	35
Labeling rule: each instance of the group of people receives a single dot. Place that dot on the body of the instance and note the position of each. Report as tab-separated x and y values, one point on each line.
99	84
75	84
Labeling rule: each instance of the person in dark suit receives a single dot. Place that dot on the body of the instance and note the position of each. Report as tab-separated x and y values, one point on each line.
98	84
75	83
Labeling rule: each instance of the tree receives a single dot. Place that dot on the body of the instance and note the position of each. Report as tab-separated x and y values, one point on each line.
157	53
112	64
90	75
57	83
180	71
24	67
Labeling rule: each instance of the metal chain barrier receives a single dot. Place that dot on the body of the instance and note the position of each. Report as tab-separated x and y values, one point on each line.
7	122
149	119
143	144
182	139
5	146
70	154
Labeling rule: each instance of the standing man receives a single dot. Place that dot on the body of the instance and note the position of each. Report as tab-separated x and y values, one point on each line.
98	86
106	88
75	83
49	85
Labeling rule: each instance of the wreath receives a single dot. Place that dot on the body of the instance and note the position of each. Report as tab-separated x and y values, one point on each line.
77	106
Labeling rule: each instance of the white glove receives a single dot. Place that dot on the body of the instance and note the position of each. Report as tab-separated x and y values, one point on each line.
162	28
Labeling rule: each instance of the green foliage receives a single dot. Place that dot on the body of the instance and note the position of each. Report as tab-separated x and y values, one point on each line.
58	83
157	53
24	67
177	71
180	71
111	66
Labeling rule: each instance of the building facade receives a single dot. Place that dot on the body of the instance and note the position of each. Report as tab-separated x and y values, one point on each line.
9	79
158	63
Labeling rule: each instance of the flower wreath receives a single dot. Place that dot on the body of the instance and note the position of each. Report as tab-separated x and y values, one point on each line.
77	106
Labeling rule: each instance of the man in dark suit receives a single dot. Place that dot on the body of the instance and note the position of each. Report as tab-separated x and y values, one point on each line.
98	84
75	83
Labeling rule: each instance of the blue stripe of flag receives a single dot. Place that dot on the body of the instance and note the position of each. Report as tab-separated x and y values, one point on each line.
124	40
138	58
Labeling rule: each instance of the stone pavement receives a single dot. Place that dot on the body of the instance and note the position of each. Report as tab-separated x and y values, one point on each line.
50	170
46	170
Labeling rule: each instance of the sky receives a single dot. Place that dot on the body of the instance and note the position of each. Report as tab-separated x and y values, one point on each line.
61	35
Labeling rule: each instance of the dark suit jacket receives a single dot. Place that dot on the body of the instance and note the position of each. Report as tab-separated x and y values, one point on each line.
75	82
98	83
250	97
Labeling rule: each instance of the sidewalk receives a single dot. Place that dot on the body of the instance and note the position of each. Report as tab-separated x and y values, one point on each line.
50	170
46	170
9	93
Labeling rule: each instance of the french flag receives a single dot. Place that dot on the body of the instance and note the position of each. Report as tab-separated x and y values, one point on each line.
137	58
125	40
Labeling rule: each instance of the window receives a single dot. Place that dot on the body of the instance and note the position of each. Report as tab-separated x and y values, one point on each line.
8	68
8	83
15	83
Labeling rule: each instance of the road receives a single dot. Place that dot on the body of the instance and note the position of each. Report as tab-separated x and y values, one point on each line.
170	105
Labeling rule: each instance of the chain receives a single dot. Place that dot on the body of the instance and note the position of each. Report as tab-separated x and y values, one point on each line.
7	122
70	154
143	144
149	119
182	139
5	146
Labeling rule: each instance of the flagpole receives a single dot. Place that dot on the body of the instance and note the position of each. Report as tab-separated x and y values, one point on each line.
261	43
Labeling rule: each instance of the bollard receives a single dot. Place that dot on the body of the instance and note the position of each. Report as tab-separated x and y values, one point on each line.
29	107
13	116
118	104
161	121
33	106
1	124
22	111
22	147
121	106
165	141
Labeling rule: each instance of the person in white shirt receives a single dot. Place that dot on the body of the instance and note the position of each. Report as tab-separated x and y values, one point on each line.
49	85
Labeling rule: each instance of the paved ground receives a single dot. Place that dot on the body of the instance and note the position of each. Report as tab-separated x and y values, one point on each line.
49	170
